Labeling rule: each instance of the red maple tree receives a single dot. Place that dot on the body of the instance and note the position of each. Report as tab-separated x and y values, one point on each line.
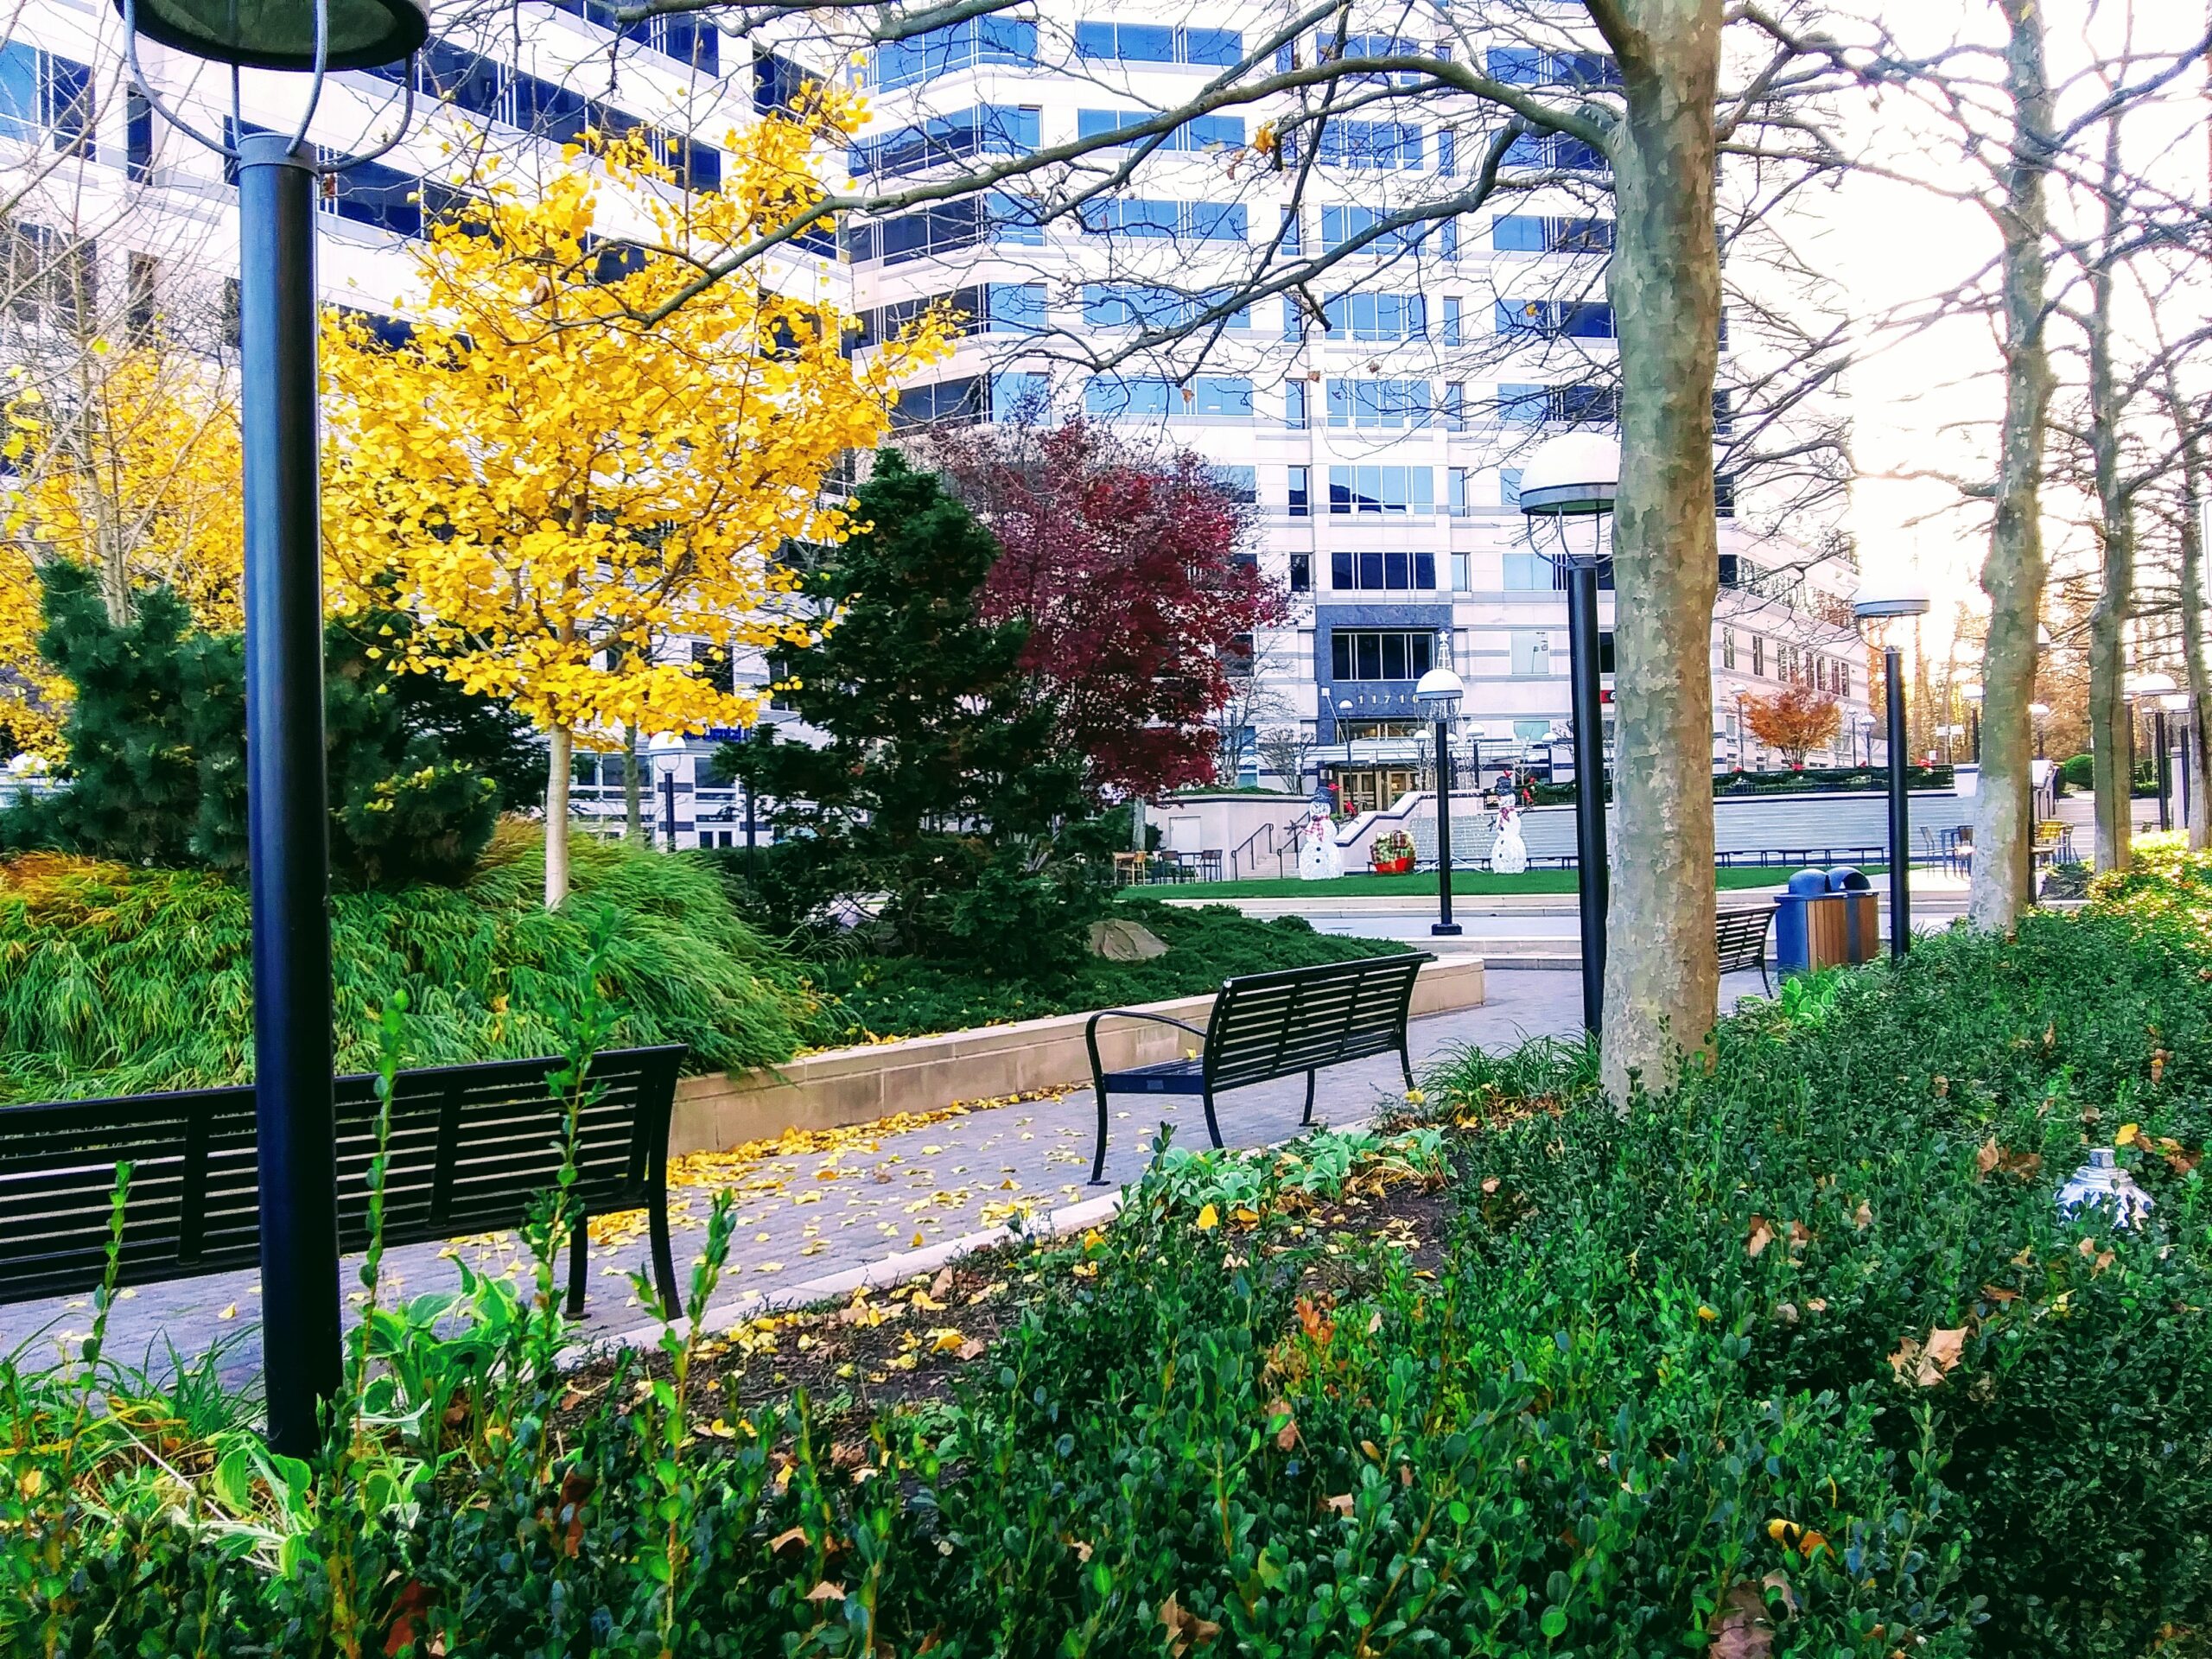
1796	720
1131	572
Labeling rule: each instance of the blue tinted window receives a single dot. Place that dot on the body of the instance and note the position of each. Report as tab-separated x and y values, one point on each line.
19	95
1518	66
1217	221
1144	43
1111	395
1447	152
1294	405
1019	397
1221	47
1094	40
1016	307
1522	405
69	101
1238	483
1220	394
1518	233
1203	131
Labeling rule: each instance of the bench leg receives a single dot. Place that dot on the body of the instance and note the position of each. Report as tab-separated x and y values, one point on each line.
579	1264
1308	1118
1213	1129
664	1257
1405	1064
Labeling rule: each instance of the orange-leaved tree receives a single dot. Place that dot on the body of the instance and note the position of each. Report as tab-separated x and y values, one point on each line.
1796	720
557	495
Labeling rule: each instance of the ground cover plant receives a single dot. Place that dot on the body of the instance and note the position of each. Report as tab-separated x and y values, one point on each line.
872	996
117	980
1800	1359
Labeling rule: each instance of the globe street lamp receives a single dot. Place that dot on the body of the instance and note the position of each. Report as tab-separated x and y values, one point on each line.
667	750
1438	695
2153	688
288	815
1575	476
1903	598
2177	704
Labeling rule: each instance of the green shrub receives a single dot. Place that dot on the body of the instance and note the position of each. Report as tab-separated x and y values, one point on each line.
2077	772
1914	1124
900	997
417	768
120	980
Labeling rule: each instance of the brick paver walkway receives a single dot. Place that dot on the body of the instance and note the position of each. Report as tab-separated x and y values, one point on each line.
868	1197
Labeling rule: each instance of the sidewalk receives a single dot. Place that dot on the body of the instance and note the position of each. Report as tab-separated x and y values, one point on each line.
817	1205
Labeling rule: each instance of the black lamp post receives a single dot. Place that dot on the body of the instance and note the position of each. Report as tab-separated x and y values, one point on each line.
287	856
1973	695
1576	475
1438	695
1903	599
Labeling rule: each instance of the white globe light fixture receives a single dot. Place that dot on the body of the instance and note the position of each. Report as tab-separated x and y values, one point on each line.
1577	475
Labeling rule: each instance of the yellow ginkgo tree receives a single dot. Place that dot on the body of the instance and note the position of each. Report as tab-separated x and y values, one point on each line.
556	494
124	460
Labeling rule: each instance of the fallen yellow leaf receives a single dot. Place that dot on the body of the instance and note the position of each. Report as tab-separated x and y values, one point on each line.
1209	1218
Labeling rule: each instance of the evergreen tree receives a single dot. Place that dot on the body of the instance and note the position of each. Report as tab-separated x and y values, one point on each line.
941	784
156	735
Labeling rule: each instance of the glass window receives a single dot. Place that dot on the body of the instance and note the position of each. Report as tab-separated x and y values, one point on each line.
1459	500
1447	152
19	94
1451	320
1294	405
1371	654
1522	405
1291	236
1509	487
1094	40
1111	396
1144	43
1527	573
1016	307
1727	647
1455	407
1518	233
1758	654
1380	489
1301	492
1301	573
1020	397
1221	47
1381	405
1219	395
1238	483
1463	575
1531	650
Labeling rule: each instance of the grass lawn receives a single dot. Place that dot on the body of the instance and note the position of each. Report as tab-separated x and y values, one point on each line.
1421	884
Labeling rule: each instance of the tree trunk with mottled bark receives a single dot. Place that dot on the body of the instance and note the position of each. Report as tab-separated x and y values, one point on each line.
2185	415
633	811
1662	985
2013	574
559	767
2112	732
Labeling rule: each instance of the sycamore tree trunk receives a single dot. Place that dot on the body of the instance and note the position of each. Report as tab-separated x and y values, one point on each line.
2111	734
2192	616
560	767
2013	575
1661	984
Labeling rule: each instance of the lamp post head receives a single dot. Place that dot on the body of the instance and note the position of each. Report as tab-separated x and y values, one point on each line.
1573	475
667	751
1890	598
2152	683
2039	711
1971	691
1439	693
2174	702
281	33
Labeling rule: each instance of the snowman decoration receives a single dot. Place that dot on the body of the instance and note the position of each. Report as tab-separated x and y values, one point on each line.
1319	859
1509	854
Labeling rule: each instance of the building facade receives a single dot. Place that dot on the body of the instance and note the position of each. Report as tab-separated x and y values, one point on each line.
1377	429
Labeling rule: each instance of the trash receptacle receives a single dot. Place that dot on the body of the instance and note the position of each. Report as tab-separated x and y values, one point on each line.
1862	925
1798	909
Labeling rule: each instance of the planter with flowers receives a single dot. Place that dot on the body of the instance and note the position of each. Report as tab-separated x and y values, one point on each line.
1392	853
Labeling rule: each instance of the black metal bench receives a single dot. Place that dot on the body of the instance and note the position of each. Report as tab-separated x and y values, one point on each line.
1739	940
1270	1026
470	1147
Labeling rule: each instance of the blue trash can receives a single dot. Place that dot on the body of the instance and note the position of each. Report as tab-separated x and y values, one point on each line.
1793	921
1862	926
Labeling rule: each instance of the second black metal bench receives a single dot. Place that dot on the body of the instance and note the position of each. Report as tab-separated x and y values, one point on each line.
470	1148
1270	1026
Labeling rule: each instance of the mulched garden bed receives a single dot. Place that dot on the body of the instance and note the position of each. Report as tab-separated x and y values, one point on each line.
904	1346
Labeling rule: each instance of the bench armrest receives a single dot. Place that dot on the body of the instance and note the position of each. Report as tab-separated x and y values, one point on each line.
1090	1027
